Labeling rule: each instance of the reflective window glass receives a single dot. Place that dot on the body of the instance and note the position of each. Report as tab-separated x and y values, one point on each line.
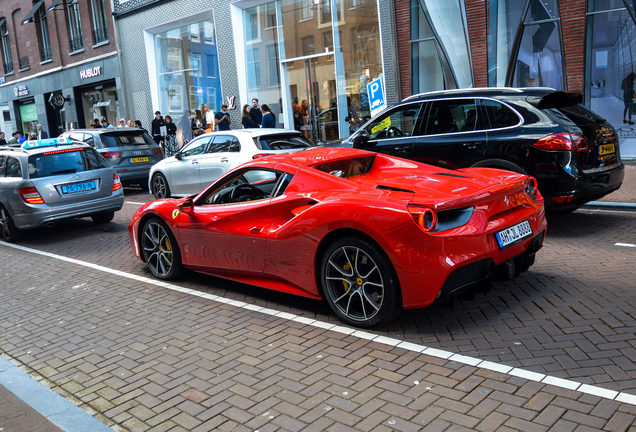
13	167
499	115
395	123
3	165
196	147
455	115
221	144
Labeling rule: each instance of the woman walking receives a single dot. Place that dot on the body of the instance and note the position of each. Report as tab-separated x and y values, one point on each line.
171	145
628	96
246	118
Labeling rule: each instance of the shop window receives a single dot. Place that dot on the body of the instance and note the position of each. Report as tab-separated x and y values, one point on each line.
74	25
531	56
439	52
100	29
6	47
253	69
43	34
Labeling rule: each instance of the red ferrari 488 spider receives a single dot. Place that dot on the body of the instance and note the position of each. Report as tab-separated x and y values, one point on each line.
370	233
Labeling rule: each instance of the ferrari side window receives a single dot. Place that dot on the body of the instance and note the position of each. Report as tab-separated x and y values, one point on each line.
395	124
242	186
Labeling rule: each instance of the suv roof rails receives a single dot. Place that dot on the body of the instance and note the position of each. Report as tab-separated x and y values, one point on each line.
9	147
512	90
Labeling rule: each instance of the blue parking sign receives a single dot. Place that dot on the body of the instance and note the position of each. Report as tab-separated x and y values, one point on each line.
377	102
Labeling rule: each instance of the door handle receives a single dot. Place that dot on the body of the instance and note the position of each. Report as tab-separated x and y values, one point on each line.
401	150
472	145
224	160
256	230
195	162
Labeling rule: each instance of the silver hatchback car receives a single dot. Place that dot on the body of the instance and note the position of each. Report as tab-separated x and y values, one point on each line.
47	180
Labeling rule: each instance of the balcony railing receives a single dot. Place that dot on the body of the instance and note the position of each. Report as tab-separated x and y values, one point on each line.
23	62
77	43
8	66
46	53
100	35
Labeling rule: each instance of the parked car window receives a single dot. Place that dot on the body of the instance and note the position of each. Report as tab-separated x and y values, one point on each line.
500	116
124	139
78	160
77	137
221	144
400	122
281	142
13	167
196	147
88	139
453	115
246	185
3	164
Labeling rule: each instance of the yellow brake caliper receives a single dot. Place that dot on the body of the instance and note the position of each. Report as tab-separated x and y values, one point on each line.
168	246
346	267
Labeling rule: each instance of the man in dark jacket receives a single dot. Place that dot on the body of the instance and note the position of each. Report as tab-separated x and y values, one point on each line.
156	127
255	113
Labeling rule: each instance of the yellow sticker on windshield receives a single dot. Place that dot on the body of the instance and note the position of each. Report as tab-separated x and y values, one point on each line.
382	125
175	213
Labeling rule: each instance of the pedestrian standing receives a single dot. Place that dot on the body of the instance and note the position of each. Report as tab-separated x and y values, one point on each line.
171	146
209	118
138	124
155	128
131	123
3	141
198	123
106	125
222	119
41	132
122	123
269	119
628	97
255	113
246	119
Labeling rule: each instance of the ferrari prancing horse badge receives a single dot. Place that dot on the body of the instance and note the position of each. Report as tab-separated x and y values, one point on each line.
175	213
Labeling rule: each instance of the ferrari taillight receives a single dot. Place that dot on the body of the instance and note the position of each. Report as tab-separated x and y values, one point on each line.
563	142
424	217
116	182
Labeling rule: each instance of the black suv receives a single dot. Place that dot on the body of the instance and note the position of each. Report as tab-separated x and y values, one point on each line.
573	153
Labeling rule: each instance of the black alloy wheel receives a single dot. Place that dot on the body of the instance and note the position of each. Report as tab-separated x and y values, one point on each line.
160	250
8	231
160	188
359	283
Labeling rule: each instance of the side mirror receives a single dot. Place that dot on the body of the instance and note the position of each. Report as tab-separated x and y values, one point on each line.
361	140
187	206
178	156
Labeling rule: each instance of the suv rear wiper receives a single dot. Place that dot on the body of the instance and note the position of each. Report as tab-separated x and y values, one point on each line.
64	171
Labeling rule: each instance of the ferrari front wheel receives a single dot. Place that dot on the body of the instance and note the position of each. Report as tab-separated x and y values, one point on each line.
160	249
359	282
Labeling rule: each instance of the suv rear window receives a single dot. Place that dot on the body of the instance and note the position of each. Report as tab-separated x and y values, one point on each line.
281	142
124	139
65	162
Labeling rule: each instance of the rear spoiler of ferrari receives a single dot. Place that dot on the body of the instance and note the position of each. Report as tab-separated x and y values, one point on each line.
556	99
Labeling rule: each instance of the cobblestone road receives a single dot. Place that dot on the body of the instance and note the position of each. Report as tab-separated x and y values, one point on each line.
142	357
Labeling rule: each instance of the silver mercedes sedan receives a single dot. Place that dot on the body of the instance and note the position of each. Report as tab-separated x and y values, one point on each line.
209	156
47	180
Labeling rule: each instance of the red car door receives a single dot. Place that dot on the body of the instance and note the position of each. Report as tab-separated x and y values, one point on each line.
227	236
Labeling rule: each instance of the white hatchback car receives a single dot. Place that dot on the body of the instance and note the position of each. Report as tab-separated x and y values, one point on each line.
209	156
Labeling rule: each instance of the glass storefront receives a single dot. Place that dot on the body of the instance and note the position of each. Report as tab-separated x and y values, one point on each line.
29	118
532	56
611	59
187	68
300	61
99	102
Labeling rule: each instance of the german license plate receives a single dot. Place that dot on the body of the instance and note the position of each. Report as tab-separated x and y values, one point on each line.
513	234
606	149
138	160
78	187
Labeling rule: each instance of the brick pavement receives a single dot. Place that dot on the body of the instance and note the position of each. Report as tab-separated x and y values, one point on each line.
627	192
140	357
17	416
568	317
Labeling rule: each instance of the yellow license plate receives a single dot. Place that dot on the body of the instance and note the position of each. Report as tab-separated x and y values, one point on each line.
606	149
137	160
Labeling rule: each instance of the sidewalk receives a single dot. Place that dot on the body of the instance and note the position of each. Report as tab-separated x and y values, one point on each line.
627	191
16	415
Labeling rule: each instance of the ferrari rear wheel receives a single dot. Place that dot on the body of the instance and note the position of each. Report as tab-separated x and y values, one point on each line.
359	283
160	188
160	249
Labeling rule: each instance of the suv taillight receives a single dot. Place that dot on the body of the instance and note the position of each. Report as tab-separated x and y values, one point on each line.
116	182
563	142
112	155
157	151
424	217
30	195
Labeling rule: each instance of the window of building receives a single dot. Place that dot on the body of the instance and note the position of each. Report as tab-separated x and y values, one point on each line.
531	56
306	9
273	70
43	34
253	69
75	25
208	32
6	47
195	64
100	29
211	65
308	46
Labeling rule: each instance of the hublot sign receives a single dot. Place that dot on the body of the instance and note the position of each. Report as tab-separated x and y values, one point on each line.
90	73
20	91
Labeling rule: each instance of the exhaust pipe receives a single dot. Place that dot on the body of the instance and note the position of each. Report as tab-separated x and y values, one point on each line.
491	268
534	247
49	224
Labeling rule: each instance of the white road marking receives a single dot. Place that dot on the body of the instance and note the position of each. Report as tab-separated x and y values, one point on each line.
625	244
433	352
132	202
